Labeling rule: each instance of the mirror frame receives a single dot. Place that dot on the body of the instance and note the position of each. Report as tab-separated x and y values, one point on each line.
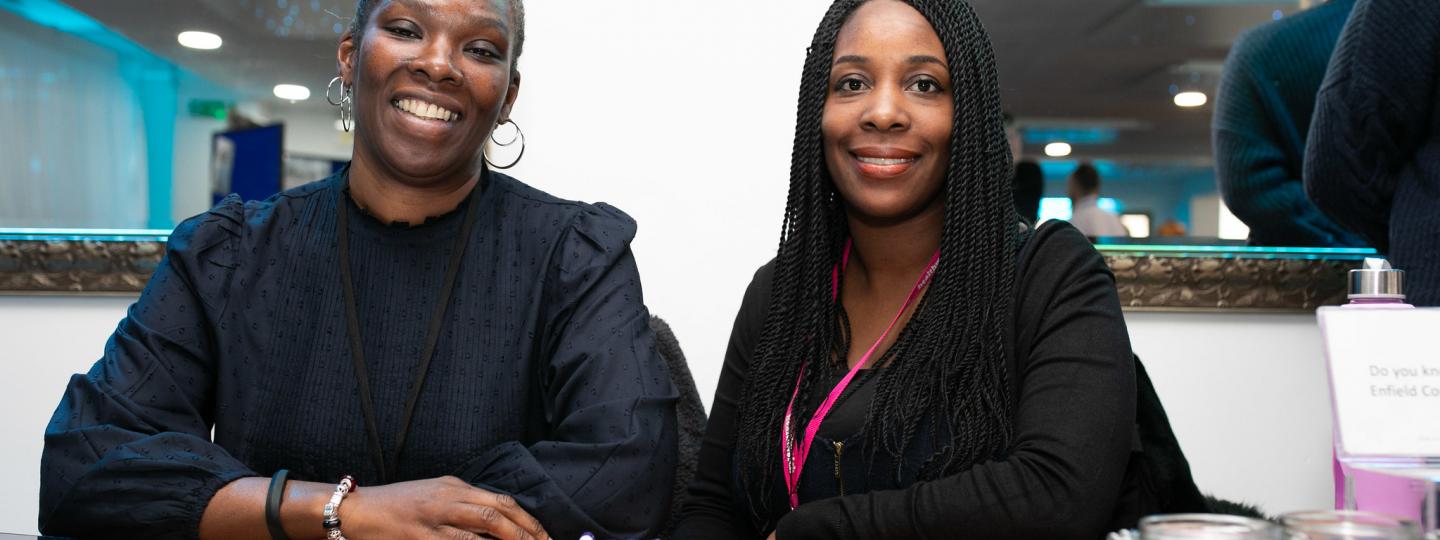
1148	277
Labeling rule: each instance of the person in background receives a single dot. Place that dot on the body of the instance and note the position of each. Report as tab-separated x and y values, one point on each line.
1085	213
1262	115
1374	158
1171	228
1029	178
472	355
916	362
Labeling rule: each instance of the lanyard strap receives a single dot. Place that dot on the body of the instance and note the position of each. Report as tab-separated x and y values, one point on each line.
792	458
432	337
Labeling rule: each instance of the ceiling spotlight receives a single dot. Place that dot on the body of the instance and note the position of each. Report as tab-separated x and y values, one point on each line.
1190	99
1057	149
199	40
292	92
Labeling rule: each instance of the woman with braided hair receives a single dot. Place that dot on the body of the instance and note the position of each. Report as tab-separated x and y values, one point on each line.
915	362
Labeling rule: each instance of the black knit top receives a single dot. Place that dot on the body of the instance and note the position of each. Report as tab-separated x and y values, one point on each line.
1064	476
545	383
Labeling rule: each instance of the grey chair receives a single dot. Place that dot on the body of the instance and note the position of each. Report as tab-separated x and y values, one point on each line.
690	417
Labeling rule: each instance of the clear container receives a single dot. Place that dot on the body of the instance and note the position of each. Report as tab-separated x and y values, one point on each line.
1206	527
1347	525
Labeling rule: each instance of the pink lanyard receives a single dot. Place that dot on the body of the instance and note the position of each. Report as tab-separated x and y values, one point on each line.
793	462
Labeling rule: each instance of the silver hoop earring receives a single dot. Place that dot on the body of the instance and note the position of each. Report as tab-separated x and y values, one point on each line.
346	102
519	136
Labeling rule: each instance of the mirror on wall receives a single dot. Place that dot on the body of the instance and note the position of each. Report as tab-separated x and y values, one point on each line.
127	123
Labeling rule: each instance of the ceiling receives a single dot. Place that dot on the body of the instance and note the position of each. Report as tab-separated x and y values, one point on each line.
1103	66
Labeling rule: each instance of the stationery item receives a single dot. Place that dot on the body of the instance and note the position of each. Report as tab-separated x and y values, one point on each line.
1385	395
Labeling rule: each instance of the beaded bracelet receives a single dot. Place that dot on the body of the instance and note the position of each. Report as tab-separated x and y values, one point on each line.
332	508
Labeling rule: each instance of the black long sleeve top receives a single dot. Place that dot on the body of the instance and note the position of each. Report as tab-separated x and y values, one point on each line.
545	383
1262	114
1374	158
1073	426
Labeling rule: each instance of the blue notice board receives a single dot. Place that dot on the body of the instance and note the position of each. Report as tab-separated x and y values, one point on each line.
249	162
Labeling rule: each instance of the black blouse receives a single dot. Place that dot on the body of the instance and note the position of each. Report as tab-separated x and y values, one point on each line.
545	384
1064	471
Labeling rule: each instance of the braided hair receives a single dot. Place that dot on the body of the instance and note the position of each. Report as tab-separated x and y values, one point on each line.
946	371
363	8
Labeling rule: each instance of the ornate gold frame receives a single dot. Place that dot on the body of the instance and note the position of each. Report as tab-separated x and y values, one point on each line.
1148	278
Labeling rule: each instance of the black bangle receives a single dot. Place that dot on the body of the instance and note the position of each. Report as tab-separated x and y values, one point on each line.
272	505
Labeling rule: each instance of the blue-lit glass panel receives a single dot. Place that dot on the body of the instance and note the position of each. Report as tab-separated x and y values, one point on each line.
1054	208
1098	135
1059	207
94	235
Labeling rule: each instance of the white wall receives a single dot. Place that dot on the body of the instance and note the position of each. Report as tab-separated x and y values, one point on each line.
311	132
190	180
43	340
681	114
1246	394
1249	401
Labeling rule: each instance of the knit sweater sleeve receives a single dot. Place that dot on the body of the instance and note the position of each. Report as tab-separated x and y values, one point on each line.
1259	180
128	451
1064	471
1372	113
607	465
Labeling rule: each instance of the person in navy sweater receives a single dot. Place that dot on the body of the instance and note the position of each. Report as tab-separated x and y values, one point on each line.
1262	114
1373	164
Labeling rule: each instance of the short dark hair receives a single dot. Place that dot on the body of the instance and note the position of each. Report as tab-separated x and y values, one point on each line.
1086	178
517	21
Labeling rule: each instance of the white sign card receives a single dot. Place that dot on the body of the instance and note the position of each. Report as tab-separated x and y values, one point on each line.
1385	379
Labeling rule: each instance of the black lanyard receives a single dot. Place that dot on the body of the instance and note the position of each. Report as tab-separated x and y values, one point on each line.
357	347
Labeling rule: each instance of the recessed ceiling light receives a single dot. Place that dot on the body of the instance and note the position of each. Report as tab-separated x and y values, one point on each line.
199	40
292	92
1191	99
1058	149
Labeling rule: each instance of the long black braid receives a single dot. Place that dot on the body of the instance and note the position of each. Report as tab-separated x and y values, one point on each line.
517	22
948	368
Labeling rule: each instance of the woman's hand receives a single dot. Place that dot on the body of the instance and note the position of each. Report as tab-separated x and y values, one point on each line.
444	507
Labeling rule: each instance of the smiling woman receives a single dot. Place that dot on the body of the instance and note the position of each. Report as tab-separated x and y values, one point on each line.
911	362
464	355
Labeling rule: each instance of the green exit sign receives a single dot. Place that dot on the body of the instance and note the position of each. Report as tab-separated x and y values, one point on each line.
208	108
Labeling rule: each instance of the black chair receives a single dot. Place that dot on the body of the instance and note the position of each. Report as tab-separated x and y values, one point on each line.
689	413
1158	466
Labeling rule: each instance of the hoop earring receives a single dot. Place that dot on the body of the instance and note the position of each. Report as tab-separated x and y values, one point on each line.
519	136
346	102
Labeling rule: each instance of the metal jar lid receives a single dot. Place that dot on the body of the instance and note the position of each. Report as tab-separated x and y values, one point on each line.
1376	279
